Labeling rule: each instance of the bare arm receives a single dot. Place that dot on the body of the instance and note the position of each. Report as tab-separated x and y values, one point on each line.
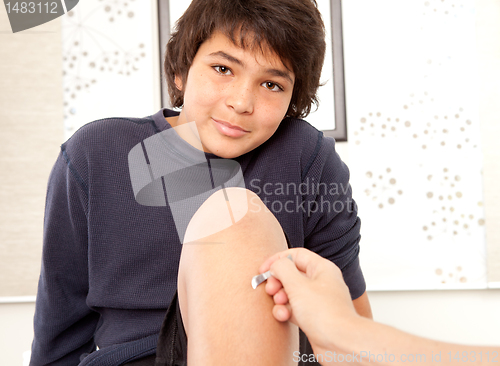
228	322
379	344
362	306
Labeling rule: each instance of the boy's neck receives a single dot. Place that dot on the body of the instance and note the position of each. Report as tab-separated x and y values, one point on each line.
172	120
186	133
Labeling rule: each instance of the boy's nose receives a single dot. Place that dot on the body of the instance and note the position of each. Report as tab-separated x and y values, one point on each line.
241	99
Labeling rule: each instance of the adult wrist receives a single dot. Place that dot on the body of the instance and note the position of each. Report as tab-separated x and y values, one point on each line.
346	329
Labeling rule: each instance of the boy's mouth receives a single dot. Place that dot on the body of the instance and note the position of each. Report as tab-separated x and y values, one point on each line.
228	129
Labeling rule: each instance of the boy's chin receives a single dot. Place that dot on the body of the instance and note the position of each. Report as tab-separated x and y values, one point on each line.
228	153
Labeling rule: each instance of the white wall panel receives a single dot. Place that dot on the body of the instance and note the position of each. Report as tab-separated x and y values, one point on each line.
415	148
109	61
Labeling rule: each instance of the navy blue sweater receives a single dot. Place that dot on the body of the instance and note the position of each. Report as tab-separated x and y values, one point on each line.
109	267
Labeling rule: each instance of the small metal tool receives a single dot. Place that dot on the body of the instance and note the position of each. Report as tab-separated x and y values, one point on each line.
257	280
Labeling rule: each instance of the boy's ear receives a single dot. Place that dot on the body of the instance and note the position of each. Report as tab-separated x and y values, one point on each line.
178	82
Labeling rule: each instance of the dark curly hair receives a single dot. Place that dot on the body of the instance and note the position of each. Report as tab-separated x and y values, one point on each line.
293	29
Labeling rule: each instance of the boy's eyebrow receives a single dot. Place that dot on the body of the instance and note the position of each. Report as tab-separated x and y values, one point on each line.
275	72
227	57
280	73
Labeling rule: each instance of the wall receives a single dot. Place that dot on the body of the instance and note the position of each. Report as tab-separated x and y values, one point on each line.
464	316
31	131
468	316
488	30
447	315
30	93
415	142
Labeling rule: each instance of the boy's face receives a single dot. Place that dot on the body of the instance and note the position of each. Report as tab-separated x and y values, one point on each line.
236	97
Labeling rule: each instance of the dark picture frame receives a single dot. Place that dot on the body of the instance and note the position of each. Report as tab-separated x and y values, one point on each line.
339	130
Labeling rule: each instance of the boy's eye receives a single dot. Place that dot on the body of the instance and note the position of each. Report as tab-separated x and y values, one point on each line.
222	70
272	86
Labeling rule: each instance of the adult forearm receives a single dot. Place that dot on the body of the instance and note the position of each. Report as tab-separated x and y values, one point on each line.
365	342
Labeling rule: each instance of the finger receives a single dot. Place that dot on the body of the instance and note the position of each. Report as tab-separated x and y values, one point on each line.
282	313
308	262
305	260
269	261
273	285
286	272
280	298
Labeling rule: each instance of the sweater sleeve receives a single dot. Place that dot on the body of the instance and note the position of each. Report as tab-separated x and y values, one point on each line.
332	225
64	326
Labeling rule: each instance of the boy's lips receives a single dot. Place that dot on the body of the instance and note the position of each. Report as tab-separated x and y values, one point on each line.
228	129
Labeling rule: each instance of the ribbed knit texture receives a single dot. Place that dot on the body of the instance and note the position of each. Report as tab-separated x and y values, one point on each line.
109	267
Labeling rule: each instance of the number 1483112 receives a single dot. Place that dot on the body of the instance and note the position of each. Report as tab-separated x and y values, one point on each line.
32	7
473	356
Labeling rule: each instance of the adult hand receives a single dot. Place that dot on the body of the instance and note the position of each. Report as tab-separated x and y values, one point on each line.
310	292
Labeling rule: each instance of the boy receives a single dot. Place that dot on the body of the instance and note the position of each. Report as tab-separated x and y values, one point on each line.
243	72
